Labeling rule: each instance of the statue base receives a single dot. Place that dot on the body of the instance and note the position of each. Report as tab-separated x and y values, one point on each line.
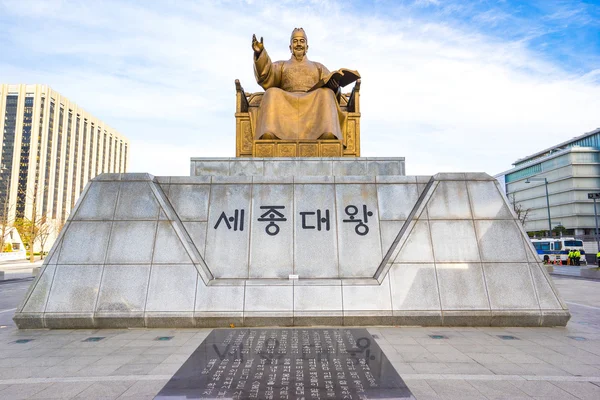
292	242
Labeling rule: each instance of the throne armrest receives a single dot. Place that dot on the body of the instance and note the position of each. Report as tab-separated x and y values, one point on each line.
241	101
353	102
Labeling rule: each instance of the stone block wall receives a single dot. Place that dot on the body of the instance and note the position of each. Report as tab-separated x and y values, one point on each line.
213	250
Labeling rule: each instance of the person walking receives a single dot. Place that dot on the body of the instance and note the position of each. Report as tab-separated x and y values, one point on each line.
577	256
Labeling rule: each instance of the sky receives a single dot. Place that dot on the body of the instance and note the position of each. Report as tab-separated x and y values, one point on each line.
449	85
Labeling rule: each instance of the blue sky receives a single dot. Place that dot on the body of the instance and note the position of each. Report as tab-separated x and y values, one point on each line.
450	85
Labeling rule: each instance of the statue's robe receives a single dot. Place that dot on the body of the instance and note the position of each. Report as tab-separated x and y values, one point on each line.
288	110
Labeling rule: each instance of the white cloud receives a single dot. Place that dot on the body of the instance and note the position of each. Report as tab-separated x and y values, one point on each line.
447	99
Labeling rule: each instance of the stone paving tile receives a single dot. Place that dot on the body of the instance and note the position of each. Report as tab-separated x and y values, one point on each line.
149	359
420	388
22	391
582	390
62	390
19	372
457	388
117	359
506	369
134	369
542	389
97	370
165	369
497	388
429	368
144	388
80	360
105	390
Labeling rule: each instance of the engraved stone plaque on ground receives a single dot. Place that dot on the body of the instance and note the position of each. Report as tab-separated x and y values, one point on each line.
287	364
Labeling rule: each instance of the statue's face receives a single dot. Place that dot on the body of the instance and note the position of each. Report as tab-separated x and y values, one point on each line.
298	46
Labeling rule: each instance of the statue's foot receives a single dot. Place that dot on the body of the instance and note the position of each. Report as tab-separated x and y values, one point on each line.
269	136
327	136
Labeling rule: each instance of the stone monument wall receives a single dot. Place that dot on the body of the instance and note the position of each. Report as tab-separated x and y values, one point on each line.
215	250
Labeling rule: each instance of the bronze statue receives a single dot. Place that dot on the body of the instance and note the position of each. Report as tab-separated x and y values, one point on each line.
300	95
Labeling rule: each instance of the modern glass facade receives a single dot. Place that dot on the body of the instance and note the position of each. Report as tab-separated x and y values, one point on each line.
571	170
51	148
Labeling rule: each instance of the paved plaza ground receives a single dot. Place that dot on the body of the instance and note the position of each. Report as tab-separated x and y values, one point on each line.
470	363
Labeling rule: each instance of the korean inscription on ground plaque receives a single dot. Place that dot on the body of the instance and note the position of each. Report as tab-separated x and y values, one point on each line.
287	364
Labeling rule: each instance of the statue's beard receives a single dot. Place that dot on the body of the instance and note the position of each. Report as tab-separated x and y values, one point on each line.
299	54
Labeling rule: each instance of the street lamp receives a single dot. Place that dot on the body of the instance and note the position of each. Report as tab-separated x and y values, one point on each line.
547	200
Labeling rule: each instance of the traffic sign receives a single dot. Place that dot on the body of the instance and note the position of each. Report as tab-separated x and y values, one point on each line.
593	196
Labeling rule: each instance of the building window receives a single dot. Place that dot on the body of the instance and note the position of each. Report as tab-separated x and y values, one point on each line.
48	157
61	115
24	162
75	161
66	171
38	157
8	148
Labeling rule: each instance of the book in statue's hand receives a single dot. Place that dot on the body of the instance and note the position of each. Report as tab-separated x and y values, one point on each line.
342	76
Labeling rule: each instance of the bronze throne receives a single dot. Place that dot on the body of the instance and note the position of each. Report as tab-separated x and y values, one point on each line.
246	110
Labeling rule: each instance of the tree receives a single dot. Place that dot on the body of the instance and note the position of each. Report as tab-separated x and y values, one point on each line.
522	212
6	222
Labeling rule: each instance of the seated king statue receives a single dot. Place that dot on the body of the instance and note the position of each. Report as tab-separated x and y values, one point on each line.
300	95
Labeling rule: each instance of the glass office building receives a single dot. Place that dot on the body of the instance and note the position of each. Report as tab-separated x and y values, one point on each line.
51	148
572	170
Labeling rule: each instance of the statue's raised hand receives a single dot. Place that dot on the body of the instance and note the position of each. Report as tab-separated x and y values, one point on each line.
256	45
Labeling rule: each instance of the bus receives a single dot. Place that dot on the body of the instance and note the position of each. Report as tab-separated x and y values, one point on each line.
551	250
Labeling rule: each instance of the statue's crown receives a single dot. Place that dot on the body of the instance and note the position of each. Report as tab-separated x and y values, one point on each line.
298	30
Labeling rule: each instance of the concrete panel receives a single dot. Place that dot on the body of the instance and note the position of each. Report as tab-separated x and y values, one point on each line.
449	201
190	201
246	167
99	201
168	249
314	167
85	243
417	247
462	286
487	201
219	298
36	303
318	298
197	231
123	288
384	167
272	230
349	168
510	286
210	167
131	242
228	236
136	201
315	244
75	288
544	288
172	288
454	241
500	241
359	239
367	298
269	298
389	231
278	168
414	287
396	201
